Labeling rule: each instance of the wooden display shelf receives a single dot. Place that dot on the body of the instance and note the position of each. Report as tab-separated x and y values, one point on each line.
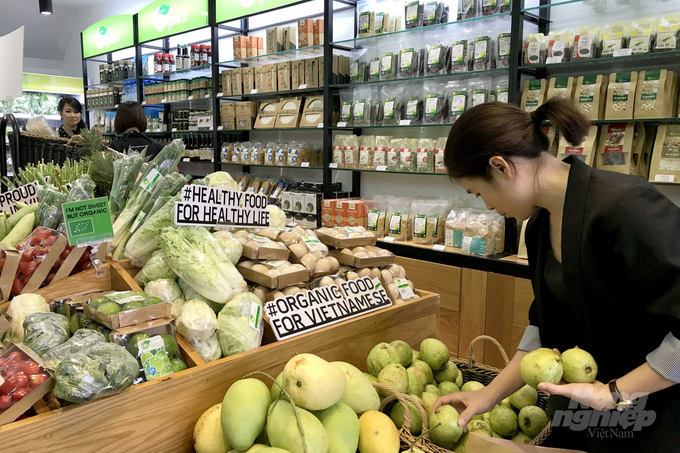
160	415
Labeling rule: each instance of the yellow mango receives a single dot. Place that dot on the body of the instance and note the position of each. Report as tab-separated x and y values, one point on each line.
208	437
377	433
313	383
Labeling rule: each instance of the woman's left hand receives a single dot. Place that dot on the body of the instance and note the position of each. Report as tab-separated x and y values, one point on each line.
595	395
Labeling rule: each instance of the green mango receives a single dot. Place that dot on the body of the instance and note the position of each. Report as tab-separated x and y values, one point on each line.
342	427
272	450
152	301
283	431
244	412
134	305
276	390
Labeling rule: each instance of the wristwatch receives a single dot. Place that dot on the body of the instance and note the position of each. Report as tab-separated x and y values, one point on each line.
621	404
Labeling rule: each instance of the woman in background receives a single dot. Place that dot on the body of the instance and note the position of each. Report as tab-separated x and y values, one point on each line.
71	111
131	121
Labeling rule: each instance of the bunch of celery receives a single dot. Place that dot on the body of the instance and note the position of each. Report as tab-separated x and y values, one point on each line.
164	163
166	186
125	172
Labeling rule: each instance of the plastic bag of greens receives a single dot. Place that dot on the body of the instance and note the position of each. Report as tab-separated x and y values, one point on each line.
49	213
232	247
191	294
196	321
144	241
157	267
240	324
208	349
81	189
96	371
44	331
20	307
83	338
125	172
167	290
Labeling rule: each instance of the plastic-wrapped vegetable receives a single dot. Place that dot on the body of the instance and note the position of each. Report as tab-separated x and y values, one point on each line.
197	321
221	180
157	267
99	370
144	241
83	338
168	291
20	307
232	247
81	189
44	331
190	293
236	330
49	210
125	172
167	186
209	350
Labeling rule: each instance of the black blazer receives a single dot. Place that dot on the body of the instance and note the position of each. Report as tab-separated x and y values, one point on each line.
621	266
137	141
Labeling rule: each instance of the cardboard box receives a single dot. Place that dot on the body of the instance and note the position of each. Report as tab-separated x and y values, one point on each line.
320	66
248	80
351	260
226	82
312	72
318	32
270	78
247	108
244	123
258	76
18	408
289	113
126	318
287	201
240	47
336	69
229	123
237	81
283	76
312	204
266	116
228	110
327	213
276	251
312	115
251	46
305	33
297	73
348	242
289	38
280	282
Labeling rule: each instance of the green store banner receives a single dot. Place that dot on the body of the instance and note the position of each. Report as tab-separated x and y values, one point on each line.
168	17
51	84
108	35
233	9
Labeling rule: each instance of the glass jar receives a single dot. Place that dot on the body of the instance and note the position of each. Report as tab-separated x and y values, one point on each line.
204	54
157	63
195	55
166	62
173	66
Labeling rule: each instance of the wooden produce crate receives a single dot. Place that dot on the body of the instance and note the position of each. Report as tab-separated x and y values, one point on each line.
171	405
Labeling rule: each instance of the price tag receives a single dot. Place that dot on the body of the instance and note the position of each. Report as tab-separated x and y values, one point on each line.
219	95
116	106
219	128
185	159
143	102
305	164
388	239
439	247
405	122
333	165
164	100
664	178
253	91
319	126
342	124
174	129
206	96
190	98
302	86
381	168
292	224
623	52
553	60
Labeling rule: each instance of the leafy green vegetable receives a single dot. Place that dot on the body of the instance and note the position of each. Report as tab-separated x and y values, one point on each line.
196	321
125	172
82	339
166	289
168	185
22	306
96	371
144	241
208	349
190	293
232	247
44	331
157	267
235	331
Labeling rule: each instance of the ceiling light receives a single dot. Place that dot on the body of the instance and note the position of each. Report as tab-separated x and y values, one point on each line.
45	7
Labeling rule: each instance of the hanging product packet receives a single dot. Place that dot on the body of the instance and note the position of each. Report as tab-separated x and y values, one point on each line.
489	7
535	49
439	150
469	9
391	97
407	155
413	14
643	35
392	154
373	69
389	61
434	13
589	95
484	51
397	218
376	216
560	44
585	43
281	154
352	152
438	54
457	96
615	147
346	103
615	37
665	164
478	90
366	152
653	98
436	103
423	219
382	143
357	66
503	50
339	144
376	107
459	56
413	103
501	85
560	87
668	34
425	156
361	110
409	61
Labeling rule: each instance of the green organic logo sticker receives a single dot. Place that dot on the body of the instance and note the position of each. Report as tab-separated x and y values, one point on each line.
88	221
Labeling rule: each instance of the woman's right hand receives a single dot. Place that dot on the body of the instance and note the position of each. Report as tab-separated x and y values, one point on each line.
468	403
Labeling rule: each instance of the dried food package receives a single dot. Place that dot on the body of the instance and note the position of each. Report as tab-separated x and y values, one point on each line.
413	104
423	61
437	58
281	154
388	65
455	227
589	96
585	151
653	95
643	36
665	165
346	102
585	43
533	95
397	218
236	153
392	106
376	107
373	70
245	152
489	7
382	143
377	213
439	151
297	153
478	90
436	105
407	155
457	97
352	152
468	9
366	152
409	62
413	14
498	228
561	87
257	154
225	155
478	236
459	56
560	44
432	13
392	154
361	110
269	153
503	50
357	67
483	56
424	220
621	96
365	19
535	49
501	84
615	36
425	156
505	6
615	147
339	150
668	34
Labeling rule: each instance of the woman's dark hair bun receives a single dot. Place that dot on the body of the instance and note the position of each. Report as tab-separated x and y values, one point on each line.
569	122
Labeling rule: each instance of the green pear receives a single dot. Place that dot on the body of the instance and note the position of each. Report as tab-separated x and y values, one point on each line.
532	420
418	372
380	356
405	352
434	353
506	402
447	388
471	386
372	379
579	366
480	426
416	355
526	396
504	421
541	365
447	374
447	434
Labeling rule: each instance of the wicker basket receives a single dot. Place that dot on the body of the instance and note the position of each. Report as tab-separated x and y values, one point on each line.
36	148
472	371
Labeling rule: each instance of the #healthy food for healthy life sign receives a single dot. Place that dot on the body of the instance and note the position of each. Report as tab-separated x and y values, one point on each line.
88	221
209	206
233	9
168	17
294	315
25	194
108	35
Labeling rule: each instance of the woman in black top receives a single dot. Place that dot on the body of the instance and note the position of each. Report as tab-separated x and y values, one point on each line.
71	112
131	121
604	260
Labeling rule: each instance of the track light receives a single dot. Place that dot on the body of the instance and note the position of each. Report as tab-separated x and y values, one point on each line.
46	7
